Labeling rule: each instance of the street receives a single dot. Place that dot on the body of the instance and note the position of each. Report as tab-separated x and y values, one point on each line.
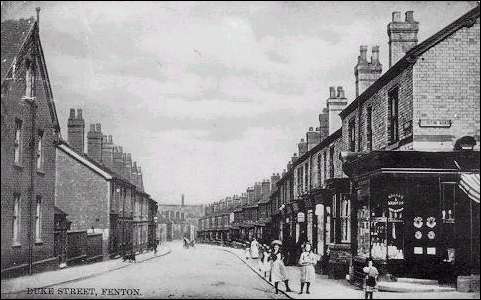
184	273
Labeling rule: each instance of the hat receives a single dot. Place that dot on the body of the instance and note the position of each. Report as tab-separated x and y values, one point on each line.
274	242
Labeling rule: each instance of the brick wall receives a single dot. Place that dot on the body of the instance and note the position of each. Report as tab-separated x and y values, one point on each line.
84	195
446	86
17	179
379	105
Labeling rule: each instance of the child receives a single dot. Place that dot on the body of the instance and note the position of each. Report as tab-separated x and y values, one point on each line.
371	278
264	264
278	269
307	261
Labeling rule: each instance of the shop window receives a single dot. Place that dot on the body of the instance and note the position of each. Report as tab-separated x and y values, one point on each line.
448	199
352	134
334	219
369	128
393	110
345	215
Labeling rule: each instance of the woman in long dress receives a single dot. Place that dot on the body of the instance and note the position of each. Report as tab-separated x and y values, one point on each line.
254	249
278	269
264	264
307	260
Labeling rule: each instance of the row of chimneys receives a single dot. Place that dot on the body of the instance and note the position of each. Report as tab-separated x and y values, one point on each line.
102	149
402	37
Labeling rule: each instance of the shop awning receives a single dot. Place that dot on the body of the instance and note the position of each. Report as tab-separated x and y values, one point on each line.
469	183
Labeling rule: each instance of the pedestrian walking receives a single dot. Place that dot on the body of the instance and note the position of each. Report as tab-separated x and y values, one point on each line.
307	260
254	249
278	269
247	249
155	247
370	280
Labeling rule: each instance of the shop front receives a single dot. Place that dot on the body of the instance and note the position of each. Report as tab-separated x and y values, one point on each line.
410	214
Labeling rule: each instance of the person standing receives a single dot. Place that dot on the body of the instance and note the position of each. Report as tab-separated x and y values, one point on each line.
371	279
278	269
254	250
307	260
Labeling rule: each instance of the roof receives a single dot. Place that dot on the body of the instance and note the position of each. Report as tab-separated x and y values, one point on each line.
58	211
411	56
325	142
16	36
85	161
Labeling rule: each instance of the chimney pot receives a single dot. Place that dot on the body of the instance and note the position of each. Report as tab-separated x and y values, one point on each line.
92	127
38	14
318	129
110	139
72	113
409	16
332	92
311	128
375	54
302	140
98	127
363	52
79	114
396	16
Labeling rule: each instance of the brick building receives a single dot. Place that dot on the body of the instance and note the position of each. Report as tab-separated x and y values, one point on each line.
102	191
29	131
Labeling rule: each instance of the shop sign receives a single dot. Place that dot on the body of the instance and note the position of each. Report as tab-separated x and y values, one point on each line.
443	123
300	217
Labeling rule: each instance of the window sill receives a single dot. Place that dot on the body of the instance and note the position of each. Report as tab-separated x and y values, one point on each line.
16	245
38	242
41	172
18	166
392	145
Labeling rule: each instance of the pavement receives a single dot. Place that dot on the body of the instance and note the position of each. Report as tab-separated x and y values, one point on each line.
200	272
74	273
324	288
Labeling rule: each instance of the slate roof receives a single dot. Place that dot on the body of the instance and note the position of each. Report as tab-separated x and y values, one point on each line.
14	34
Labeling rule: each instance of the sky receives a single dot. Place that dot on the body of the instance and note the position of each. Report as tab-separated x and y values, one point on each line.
210	97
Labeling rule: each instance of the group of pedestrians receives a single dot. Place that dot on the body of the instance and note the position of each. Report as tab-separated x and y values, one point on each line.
271	263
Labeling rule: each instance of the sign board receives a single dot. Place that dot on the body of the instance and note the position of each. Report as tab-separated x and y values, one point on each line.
444	123
300	217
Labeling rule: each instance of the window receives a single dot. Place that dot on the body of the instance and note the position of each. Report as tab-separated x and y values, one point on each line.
325	166
333	219
29	78
16	219
40	158
182	216
38	220
331	162
319	168
393	110
345	215
369	128
306	176
352	135
18	141
177	216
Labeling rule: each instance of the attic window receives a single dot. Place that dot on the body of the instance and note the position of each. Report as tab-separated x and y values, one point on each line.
28	78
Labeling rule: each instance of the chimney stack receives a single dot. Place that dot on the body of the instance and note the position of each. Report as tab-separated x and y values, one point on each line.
133	174
94	140
140	180
182	203
118	160
302	147
324	124
274	179
367	73
402	35
266	189
334	106
128	167
76	131
108	152
332	92
313	138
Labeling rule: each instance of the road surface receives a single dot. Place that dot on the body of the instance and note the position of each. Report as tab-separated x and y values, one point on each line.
184	273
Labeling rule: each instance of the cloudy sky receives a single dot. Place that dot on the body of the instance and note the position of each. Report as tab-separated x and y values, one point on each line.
210	97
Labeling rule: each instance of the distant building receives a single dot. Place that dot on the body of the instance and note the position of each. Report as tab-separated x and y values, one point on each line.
176	221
